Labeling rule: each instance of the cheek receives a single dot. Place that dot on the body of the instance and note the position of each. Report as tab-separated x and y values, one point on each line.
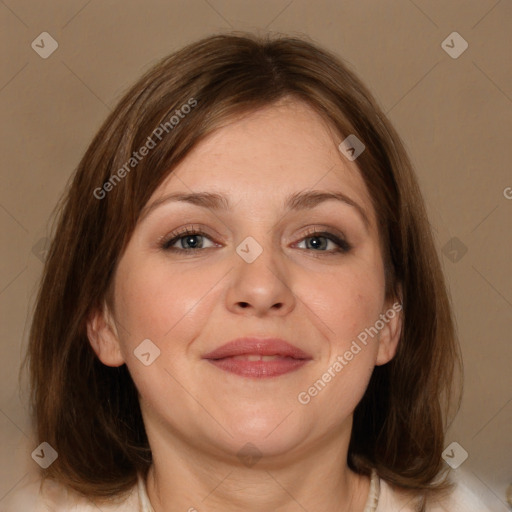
346	302
157	303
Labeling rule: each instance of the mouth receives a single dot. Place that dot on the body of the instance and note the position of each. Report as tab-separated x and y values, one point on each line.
258	366
258	358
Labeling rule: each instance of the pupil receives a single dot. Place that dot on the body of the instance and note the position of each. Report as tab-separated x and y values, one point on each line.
192	240
315	242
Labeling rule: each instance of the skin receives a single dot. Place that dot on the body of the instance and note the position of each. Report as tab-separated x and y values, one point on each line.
199	417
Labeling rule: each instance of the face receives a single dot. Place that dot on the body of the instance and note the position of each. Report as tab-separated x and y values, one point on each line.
196	276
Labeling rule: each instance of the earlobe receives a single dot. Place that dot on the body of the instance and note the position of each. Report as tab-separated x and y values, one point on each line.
390	334
103	337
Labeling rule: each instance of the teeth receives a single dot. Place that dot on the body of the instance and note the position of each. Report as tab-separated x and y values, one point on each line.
256	357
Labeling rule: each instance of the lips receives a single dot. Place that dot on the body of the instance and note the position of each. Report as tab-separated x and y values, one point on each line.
257	347
258	358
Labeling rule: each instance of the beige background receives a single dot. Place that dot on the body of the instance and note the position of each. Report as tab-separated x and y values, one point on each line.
453	114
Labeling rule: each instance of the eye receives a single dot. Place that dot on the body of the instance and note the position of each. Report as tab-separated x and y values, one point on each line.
188	240
319	241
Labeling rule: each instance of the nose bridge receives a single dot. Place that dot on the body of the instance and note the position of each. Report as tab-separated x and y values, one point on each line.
259	259
260	279
260	244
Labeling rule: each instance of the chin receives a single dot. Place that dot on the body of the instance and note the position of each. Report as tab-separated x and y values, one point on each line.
271	436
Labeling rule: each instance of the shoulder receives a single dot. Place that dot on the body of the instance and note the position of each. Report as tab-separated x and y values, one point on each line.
31	495
460	499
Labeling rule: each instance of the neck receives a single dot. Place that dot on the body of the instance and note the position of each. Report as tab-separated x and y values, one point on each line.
186	478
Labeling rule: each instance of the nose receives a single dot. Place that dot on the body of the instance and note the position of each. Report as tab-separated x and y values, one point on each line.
261	287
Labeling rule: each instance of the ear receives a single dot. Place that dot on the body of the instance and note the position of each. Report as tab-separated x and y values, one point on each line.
103	337
390	333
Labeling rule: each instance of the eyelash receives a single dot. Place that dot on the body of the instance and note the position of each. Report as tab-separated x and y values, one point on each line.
343	246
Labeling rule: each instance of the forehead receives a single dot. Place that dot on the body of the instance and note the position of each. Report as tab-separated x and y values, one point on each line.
266	155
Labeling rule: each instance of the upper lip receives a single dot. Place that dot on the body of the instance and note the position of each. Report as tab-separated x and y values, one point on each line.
257	346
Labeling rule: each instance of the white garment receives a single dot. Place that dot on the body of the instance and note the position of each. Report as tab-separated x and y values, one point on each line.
56	498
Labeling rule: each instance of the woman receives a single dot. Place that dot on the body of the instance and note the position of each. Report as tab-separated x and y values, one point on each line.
243	307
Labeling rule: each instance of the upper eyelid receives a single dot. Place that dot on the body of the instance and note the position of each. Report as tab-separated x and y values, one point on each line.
196	229
353	217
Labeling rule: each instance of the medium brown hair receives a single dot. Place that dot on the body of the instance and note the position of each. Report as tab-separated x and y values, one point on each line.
90	412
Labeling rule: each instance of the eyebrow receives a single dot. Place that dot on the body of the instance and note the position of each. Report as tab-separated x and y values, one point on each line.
304	200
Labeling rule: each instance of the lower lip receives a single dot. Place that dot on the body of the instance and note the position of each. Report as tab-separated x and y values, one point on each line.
259	369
